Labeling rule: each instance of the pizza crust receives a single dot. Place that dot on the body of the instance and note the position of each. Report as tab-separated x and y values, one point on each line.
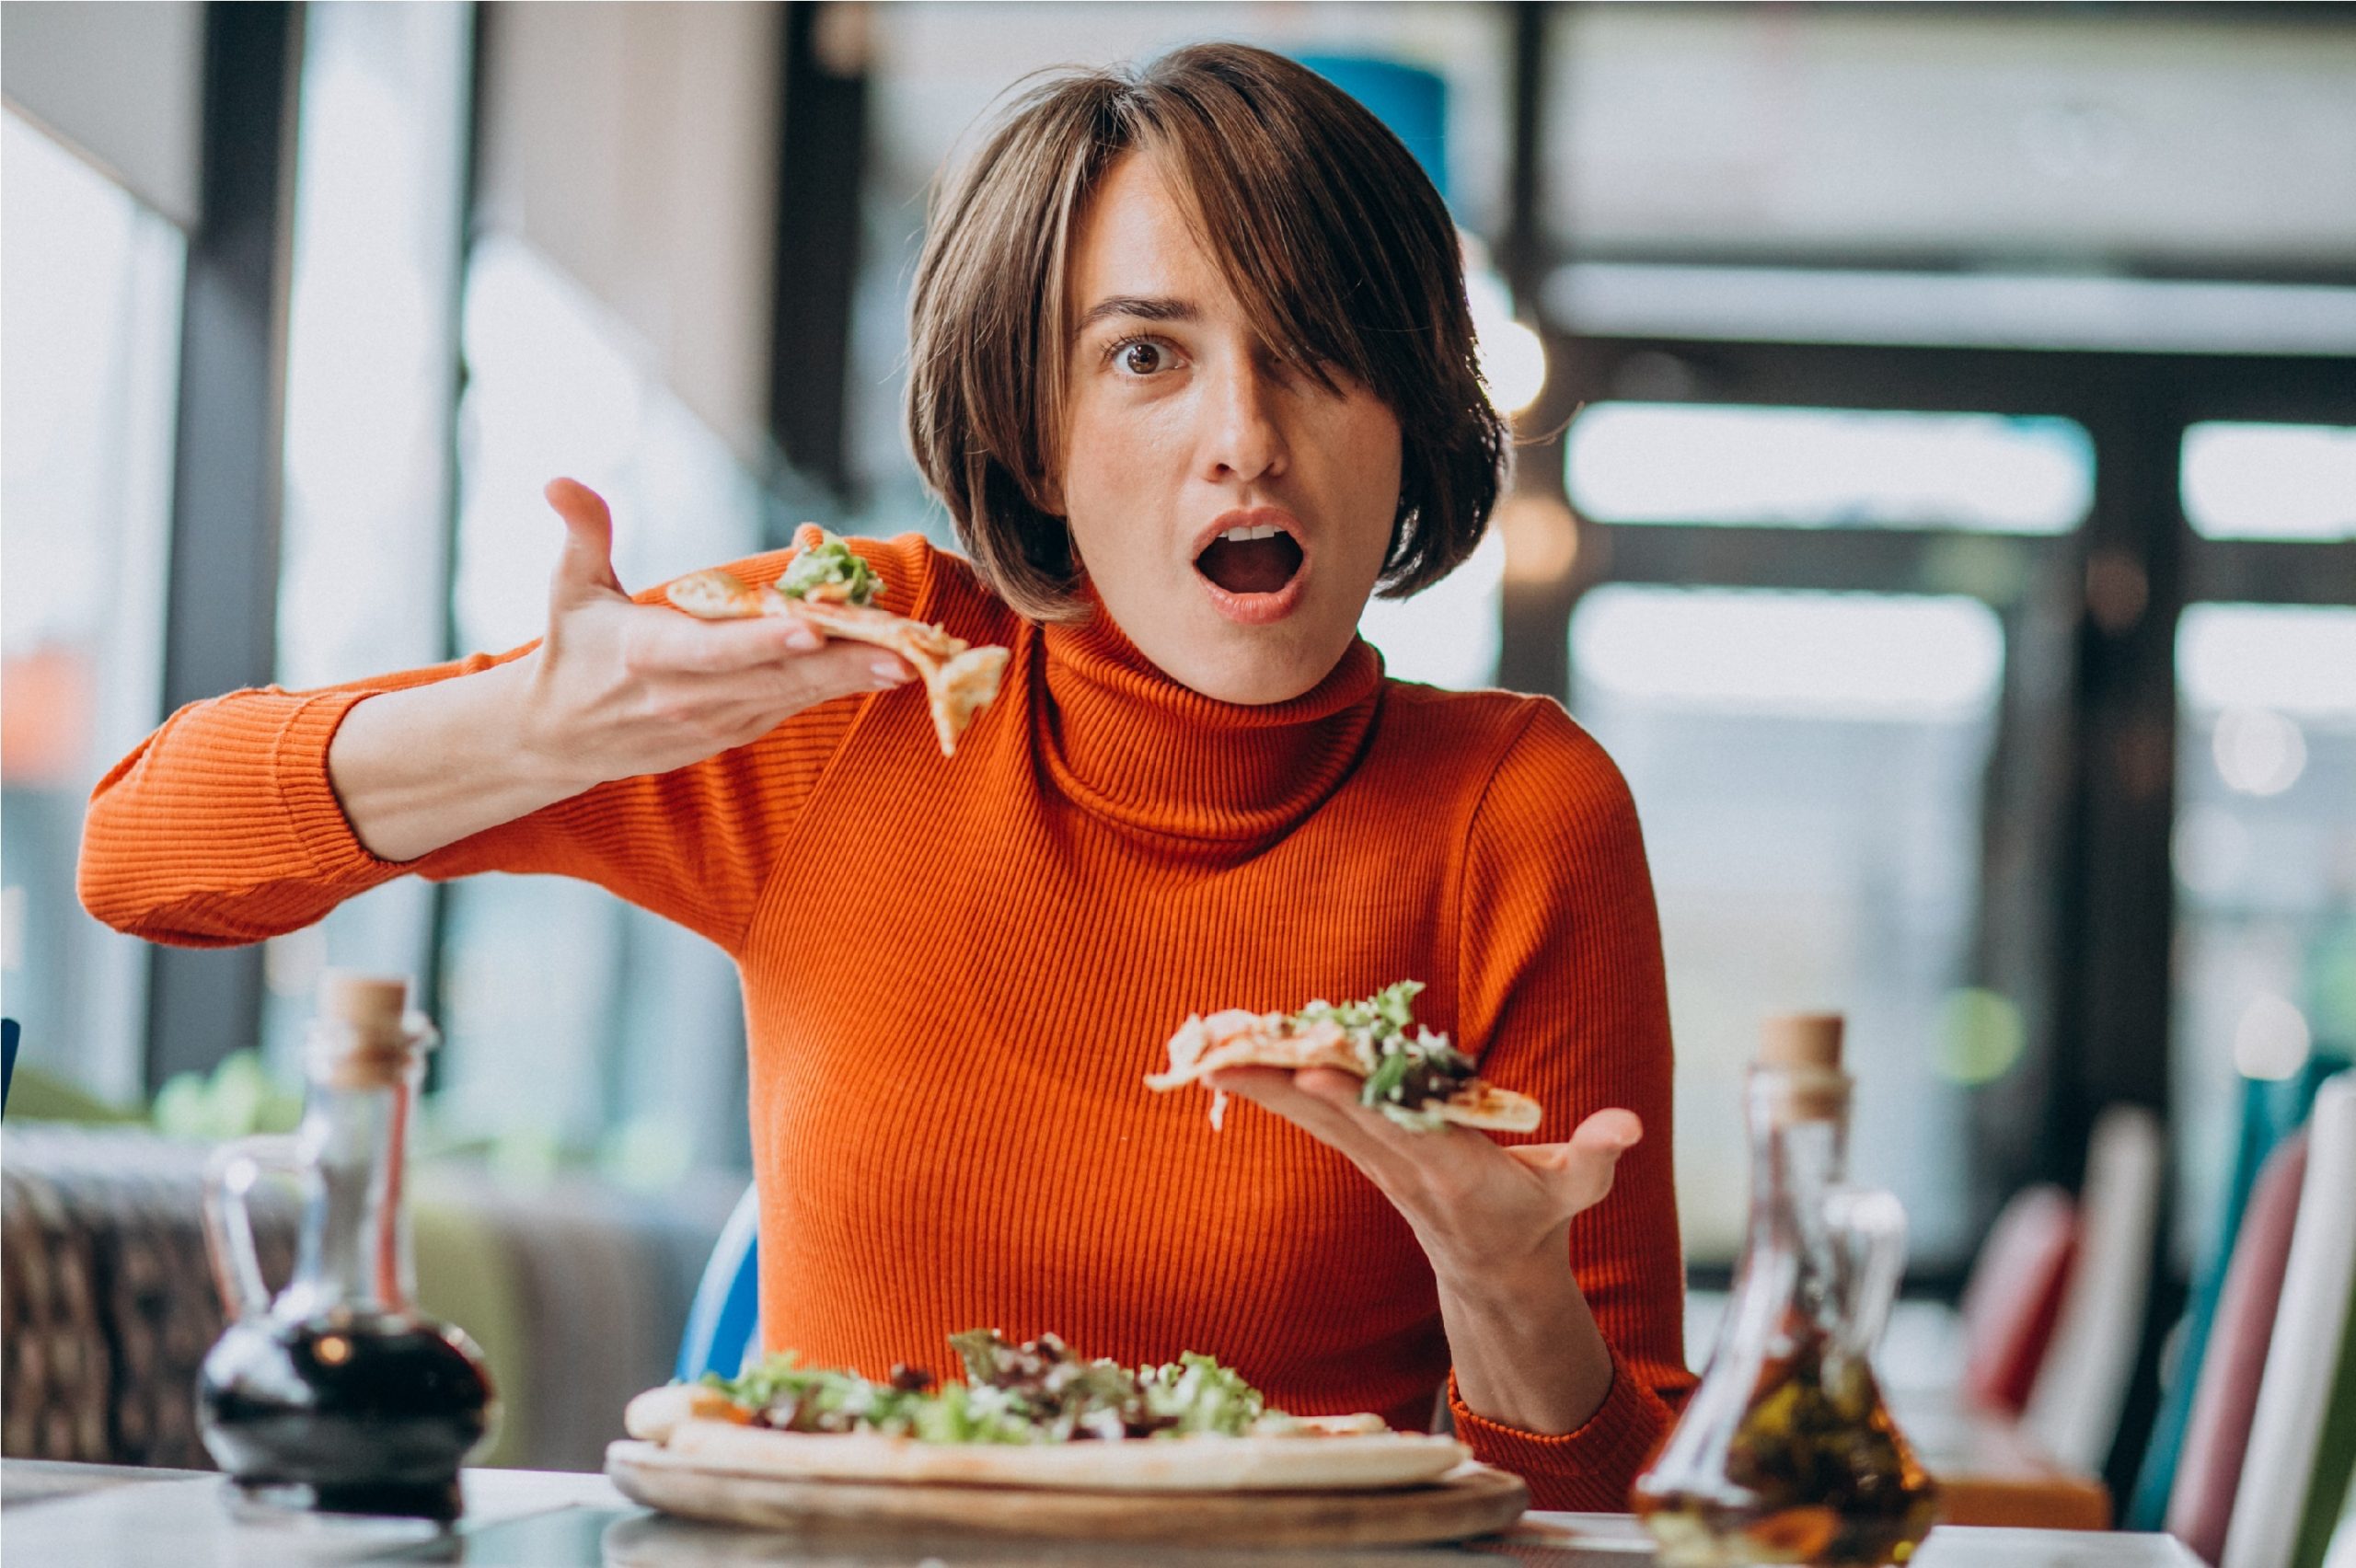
1479	1105
1202	1463
653	1415
960	679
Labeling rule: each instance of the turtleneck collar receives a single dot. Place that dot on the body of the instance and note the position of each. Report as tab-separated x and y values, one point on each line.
1128	745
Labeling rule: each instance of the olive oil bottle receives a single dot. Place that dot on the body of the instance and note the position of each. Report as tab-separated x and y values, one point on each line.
1786	1452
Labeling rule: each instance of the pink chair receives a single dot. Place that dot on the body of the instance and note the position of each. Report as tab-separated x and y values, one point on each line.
2073	1411
2014	1298
2209	1471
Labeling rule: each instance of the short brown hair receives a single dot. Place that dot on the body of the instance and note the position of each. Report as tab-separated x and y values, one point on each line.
1319	219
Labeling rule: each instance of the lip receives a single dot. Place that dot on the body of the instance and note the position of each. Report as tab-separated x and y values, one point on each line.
1253	609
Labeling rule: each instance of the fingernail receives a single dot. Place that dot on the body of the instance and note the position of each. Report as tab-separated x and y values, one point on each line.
802	639
887	674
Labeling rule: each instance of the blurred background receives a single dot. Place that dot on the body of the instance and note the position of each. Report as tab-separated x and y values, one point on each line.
1937	490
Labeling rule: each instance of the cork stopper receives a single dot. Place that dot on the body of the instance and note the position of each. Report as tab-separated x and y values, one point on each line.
364	1036
1801	1051
364	1001
1802	1040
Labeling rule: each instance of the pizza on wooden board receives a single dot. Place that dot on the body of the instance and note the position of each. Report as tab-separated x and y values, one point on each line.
1031	1414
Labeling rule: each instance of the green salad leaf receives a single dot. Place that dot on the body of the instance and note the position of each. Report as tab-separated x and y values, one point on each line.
1197	1394
1389	1011
1037	1391
1405	1078
830	561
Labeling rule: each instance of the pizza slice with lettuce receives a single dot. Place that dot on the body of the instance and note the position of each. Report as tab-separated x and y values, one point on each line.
1419	1080
832	589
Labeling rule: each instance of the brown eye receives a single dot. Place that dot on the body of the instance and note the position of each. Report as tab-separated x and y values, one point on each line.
1142	358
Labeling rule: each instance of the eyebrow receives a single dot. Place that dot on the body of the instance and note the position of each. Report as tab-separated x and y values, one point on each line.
1141	307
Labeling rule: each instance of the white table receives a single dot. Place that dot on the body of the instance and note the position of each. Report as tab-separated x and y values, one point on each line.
111	1516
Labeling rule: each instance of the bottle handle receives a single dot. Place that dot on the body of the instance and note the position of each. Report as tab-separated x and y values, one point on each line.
1871	1225
229	1179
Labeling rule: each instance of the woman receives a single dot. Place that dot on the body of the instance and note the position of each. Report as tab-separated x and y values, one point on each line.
1158	317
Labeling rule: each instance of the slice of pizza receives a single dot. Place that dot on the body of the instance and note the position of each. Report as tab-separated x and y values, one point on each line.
1421	1082
832	589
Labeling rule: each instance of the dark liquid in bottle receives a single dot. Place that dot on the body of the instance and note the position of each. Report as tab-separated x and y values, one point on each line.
1818	1473
367	1415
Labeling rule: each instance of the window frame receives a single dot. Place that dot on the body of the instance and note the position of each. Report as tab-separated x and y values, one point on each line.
2077	912
221	594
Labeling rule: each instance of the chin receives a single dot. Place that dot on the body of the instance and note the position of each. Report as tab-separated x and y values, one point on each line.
1258	668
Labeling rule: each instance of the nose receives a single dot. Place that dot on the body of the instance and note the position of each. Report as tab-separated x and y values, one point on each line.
1242	437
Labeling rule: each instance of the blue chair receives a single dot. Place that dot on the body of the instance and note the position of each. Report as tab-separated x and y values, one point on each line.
724	1321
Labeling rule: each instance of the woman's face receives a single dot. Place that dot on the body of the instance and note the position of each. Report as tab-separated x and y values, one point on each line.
1232	515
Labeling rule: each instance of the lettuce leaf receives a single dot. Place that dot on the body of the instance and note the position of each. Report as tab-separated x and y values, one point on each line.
1405	1077
1034	1392
830	562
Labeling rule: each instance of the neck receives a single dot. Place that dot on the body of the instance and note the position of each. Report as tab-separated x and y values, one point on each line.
354	1254
1135	747
1795	1162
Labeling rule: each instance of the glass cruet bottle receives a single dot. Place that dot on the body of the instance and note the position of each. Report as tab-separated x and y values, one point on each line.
338	1395
1786	1451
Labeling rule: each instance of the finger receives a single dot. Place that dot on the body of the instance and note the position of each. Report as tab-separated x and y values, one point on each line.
585	568
1278	1089
1334	1093
1262	1086
666	639
1330	1084
1341	1091
758	700
1614	1130
836	669
752	704
1607	1134
1579	1171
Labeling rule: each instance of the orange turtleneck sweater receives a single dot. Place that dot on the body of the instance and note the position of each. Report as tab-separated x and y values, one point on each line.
957	973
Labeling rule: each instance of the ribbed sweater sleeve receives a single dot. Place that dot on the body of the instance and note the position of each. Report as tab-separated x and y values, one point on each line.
1561	995
220	827
223	828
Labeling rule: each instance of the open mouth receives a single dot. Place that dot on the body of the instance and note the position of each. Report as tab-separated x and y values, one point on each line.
1250	559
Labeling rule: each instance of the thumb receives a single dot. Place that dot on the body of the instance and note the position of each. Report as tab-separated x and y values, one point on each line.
1610	1132
1581	1169
585	569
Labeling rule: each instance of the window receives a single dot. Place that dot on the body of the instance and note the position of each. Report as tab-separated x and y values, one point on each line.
1809	769
576	1024
92	285
2259	482
2265	857
1448	635
1827	467
371	365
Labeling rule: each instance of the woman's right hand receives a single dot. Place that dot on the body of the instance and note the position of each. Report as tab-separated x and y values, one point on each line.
616	689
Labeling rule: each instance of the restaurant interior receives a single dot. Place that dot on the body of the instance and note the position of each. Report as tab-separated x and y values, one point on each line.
1934	486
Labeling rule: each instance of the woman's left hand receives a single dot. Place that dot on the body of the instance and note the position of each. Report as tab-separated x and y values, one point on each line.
1477	1205
1495	1223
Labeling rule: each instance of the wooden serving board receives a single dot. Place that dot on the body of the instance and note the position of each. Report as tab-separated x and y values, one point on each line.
1470	1501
